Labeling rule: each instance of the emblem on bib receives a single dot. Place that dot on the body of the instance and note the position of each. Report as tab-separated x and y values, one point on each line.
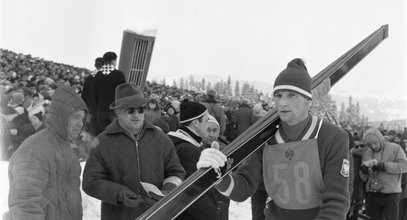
289	154
345	168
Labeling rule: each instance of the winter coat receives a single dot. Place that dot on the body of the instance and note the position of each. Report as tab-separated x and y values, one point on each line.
118	161
88	94
173	122
104	86
244	118
24	129
188	148
44	172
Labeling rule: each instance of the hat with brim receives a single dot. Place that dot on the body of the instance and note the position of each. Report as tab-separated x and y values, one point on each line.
128	95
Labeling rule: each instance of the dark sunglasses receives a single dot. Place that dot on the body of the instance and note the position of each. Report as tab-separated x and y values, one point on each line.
139	109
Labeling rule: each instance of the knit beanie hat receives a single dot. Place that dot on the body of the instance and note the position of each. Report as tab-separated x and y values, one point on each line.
294	78
39	116
191	111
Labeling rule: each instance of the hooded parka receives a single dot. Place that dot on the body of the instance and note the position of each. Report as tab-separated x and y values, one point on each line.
44	172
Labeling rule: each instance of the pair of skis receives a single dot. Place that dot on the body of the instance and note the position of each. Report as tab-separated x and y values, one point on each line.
258	134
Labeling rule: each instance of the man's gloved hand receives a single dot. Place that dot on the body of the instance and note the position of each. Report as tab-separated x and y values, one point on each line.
211	157
379	167
129	198
364	169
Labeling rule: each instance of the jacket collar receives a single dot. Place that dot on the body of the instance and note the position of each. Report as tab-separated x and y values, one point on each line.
185	134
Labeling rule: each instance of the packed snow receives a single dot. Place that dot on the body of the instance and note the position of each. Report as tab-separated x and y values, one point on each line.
91	206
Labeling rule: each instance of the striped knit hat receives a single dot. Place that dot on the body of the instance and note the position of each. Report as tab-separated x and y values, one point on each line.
294	78
191	110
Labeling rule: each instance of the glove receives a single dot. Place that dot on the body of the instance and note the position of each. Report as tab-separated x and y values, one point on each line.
129	198
379	167
211	157
364	169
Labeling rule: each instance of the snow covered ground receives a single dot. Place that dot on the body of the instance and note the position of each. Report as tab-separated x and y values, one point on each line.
91	206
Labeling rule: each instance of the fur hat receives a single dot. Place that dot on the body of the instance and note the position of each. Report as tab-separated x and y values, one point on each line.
191	111
294	78
109	56
128	95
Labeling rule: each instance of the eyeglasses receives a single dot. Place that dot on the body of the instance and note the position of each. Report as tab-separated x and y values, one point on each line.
139	110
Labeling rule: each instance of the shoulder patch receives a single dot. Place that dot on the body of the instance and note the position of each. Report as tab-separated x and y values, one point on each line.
345	168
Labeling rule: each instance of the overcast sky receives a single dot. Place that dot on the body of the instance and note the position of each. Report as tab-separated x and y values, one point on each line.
249	40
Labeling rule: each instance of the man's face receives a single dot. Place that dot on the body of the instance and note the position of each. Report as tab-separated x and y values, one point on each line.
201	127
35	121
170	111
35	100
213	133
291	106
151	105
132	119
75	123
373	142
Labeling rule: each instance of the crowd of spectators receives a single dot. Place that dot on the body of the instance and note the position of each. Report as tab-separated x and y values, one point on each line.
27	84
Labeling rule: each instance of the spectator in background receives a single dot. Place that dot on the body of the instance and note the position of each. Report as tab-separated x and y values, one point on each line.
153	110
88	96
130	152
44	172
161	124
230	129
357	196
215	109
244	117
172	119
105	83
259	198
37	122
258	111
36	105
20	126
382	165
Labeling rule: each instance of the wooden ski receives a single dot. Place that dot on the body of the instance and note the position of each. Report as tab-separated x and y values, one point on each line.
259	133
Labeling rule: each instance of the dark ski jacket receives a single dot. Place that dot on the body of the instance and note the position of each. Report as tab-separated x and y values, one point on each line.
188	148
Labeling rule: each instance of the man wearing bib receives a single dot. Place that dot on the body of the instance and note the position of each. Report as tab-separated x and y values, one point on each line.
305	166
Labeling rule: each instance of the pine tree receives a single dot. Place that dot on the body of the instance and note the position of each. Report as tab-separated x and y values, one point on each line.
237	89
